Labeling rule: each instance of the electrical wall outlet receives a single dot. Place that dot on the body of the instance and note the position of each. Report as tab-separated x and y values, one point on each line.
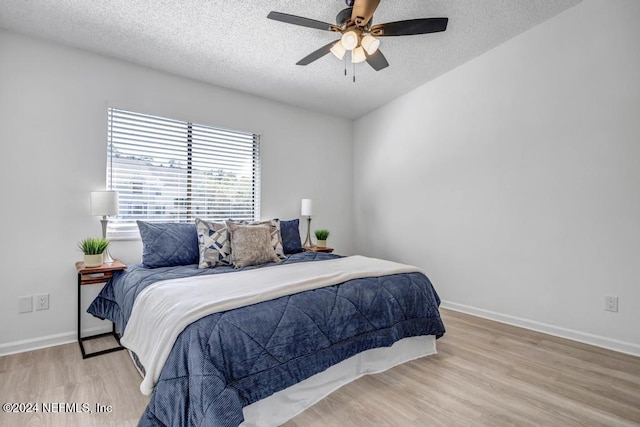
25	304
611	303
42	302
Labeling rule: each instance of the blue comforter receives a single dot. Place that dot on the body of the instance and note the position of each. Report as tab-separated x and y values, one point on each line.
228	360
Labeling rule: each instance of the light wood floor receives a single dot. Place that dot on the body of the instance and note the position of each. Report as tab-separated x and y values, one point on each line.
485	373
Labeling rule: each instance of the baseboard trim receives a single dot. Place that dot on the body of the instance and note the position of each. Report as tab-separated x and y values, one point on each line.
47	341
583	337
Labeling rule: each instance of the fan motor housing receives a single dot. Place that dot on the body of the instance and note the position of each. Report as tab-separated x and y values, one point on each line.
343	16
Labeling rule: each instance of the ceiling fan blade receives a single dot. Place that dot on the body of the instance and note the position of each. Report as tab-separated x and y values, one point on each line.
377	61
363	11
299	20
317	54
410	27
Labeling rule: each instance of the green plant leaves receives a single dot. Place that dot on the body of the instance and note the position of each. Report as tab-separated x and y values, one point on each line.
321	234
93	245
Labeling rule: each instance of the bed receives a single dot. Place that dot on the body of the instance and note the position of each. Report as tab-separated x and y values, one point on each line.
260	360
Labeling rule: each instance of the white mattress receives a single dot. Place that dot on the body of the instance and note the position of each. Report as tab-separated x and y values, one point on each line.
286	404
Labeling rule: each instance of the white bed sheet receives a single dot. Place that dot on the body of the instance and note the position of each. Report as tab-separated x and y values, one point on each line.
286	404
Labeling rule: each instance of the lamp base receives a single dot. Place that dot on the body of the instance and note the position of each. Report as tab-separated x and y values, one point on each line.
307	242
106	256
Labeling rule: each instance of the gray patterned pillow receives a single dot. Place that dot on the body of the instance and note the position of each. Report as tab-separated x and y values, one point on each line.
214	244
251	244
276	236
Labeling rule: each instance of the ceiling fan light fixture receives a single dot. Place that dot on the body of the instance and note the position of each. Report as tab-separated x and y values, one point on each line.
349	40
338	50
358	34
370	44
358	55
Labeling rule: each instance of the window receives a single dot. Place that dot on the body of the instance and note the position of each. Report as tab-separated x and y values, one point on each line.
168	170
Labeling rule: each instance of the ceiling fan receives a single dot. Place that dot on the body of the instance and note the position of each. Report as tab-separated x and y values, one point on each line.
358	33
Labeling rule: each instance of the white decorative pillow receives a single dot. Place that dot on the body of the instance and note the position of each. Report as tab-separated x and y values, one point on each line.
214	244
251	244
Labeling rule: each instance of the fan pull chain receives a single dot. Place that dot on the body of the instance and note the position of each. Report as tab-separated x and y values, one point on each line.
354	72
345	65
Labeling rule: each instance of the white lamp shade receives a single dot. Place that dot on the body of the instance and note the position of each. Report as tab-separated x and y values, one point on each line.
349	40
358	55
104	203
370	44
338	50
306	207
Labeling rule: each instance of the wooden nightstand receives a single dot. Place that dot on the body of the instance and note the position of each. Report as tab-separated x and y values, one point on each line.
88	276
318	249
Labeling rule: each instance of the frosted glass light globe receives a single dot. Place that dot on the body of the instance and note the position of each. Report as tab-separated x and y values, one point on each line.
349	40
338	50
370	44
358	55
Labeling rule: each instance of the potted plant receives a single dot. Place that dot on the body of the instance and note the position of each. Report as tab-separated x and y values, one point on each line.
321	236
93	250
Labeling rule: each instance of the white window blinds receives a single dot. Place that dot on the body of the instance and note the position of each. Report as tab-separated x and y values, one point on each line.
168	170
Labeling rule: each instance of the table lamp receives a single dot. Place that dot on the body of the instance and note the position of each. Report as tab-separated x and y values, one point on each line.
104	203
306	209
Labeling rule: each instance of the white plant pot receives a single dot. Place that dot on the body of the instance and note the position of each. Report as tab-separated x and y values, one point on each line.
93	260
322	243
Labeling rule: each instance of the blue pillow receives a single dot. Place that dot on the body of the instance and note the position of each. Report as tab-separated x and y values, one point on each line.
290	232
168	244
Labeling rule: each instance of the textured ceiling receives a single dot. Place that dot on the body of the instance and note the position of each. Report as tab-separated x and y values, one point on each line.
231	43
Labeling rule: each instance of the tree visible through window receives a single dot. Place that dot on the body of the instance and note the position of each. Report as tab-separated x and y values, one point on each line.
167	170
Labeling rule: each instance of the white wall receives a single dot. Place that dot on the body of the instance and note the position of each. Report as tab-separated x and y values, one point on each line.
53	112
514	180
